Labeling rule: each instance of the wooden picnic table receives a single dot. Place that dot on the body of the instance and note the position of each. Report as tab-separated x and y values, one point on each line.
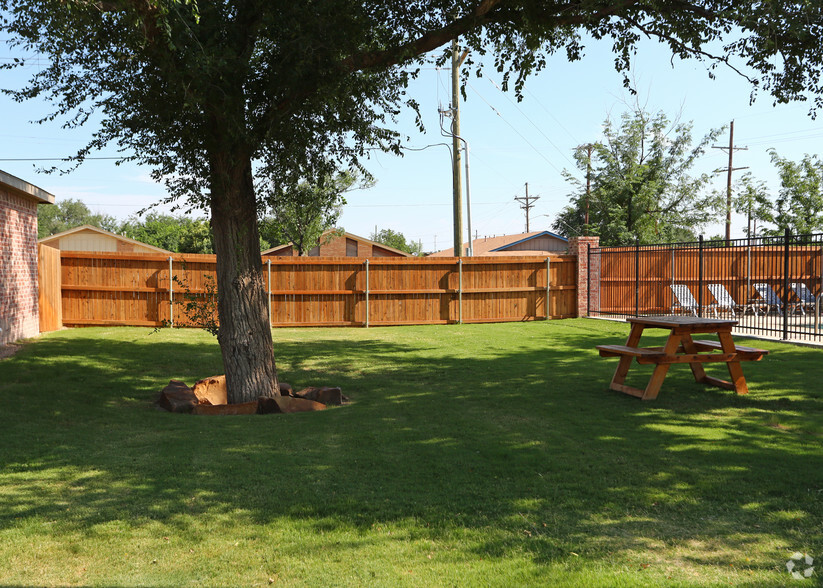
681	348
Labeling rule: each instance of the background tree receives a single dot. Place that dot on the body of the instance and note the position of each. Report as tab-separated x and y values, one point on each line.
180	234
752	200
640	183
236	89
302	213
397	240
67	214
799	203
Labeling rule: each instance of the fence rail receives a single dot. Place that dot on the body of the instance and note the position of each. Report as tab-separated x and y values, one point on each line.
645	280
136	289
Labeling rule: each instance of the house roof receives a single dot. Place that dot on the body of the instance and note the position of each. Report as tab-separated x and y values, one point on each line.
23	188
346	235
499	245
101	232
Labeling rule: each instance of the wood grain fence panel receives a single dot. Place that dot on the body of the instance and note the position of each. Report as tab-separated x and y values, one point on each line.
50	278
117	288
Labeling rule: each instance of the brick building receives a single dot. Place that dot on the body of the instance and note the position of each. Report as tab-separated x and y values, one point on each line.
343	245
18	257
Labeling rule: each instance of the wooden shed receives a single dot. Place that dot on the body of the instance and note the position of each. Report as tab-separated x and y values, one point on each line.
89	238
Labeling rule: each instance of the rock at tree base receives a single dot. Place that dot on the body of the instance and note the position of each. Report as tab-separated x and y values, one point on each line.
225	409
286	405
325	395
209	397
177	397
211	390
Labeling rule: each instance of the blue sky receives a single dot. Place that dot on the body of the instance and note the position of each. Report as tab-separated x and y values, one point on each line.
511	144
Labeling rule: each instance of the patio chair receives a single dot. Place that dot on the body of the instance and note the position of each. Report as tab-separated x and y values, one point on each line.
725	300
769	299
684	300
805	297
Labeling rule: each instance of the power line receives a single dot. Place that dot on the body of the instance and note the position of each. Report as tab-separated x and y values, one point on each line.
410	205
539	130
497	112
536	99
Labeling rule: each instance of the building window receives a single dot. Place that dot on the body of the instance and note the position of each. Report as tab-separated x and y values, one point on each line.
351	248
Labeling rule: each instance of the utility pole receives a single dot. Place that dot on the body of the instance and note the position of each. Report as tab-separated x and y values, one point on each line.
731	148
526	204
457	181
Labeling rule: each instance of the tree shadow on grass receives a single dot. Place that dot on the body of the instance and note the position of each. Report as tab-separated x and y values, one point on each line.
518	445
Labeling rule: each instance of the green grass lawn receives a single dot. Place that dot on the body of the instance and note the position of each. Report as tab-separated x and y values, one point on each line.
490	455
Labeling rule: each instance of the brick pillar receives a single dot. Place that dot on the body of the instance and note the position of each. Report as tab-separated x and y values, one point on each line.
579	246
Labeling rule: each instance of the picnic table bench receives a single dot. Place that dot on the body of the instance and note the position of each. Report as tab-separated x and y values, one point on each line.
681	348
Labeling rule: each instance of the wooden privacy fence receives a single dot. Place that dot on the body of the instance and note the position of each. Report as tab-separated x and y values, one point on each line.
136	289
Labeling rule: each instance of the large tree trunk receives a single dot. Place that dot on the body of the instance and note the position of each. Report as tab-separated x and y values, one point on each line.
245	332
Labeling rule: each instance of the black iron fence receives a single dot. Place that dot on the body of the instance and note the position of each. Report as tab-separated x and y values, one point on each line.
770	285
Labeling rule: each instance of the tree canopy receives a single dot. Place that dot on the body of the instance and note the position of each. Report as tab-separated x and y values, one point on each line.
216	94
799	203
174	233
638	184
70	213
397	240
751	198
301	214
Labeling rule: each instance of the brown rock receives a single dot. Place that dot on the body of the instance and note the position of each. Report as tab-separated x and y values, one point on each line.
177	397
211	390
324	395
287	404
267	405
226	409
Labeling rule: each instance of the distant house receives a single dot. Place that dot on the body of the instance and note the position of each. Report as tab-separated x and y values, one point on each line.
19	314
89	238
534	243
344	245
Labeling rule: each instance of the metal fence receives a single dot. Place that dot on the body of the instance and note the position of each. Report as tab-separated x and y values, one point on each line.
771	285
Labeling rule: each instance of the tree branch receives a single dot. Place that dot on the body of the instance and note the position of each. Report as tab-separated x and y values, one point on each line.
485	12
685	48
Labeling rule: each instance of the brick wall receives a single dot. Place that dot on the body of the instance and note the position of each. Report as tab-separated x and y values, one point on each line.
579	246
18	268
336	248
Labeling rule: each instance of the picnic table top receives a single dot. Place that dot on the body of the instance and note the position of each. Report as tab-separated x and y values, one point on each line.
690	323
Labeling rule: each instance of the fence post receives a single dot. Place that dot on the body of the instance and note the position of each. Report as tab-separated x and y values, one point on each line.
268	263
460	291
817	298
700	276
171	293
548	286
588	279
637	276
786	235
367	292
